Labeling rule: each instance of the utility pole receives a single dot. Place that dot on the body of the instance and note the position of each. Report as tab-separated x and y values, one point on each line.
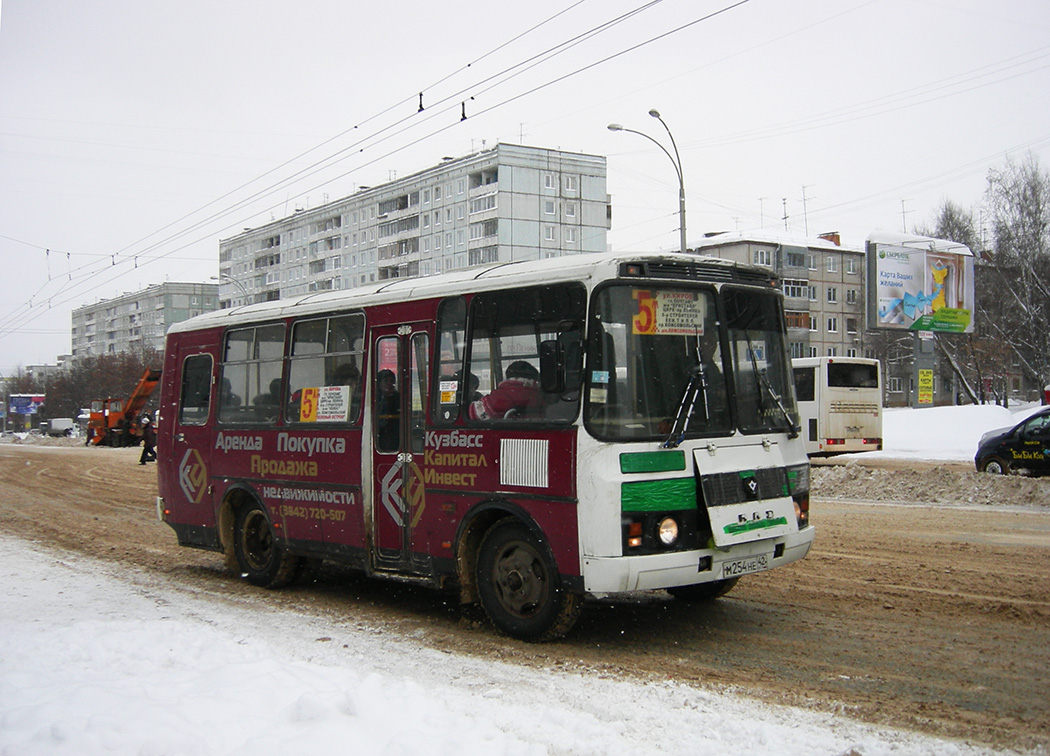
904	216
805	212
785	200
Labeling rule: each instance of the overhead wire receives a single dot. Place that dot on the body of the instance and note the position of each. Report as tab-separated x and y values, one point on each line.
6	325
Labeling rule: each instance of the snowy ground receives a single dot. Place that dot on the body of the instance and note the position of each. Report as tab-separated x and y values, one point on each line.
93	661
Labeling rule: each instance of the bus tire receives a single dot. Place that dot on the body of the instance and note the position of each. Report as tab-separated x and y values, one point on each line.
703	591
995	466
519	588
261	556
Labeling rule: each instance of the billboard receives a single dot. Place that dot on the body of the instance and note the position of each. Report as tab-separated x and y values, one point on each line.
916	283
24	404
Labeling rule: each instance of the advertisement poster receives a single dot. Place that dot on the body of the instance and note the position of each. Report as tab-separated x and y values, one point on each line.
917	283
25	404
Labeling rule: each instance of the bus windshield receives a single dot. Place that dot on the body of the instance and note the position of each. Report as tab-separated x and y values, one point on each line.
852	375
662	368
765	397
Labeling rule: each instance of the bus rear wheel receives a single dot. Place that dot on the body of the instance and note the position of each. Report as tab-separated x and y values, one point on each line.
703	591
260	555
519	588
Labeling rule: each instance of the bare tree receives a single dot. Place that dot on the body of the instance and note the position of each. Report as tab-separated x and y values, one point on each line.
1018	197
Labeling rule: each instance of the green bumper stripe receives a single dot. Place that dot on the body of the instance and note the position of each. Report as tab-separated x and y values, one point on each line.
658	495
643	462
743	527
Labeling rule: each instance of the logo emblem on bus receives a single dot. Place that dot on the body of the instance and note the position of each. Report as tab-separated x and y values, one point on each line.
193	475
400	499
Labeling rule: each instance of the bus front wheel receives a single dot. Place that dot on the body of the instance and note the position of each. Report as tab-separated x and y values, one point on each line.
519	588
260	555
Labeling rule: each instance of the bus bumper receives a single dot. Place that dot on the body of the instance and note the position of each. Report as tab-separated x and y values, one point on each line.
655	571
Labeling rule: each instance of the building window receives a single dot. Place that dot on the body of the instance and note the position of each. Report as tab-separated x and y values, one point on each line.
797	319
833	264
548	181
851	327
851	352
812	293
833	294
762	257
812	260
570	235
795	288
796	259
894	385
851	296
570	183
548	207
833	325
833	352
851	266
570	209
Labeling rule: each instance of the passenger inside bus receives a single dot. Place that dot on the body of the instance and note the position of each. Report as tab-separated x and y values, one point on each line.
266	405
348	375
388	412
518	395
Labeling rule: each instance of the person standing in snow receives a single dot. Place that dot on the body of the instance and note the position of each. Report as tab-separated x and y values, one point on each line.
516	396
149	442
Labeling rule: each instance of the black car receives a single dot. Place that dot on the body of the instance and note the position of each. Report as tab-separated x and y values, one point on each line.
1026	446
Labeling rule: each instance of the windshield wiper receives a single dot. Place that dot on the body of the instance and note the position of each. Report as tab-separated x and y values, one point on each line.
697	385
760	376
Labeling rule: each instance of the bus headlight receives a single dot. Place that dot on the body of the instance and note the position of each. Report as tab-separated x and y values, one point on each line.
667	531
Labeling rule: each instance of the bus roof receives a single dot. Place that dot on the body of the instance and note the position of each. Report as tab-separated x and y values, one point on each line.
461	281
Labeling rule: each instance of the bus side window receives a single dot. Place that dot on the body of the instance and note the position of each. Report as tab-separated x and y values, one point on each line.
325	352
805	384
252	360
448	365
195	396
513	334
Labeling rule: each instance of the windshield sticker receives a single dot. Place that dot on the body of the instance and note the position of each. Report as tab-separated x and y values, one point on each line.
448	390
669	313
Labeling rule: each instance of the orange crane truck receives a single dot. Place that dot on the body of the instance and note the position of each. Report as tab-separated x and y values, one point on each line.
114	422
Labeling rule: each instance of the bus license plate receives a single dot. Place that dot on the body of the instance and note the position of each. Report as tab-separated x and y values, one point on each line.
745	566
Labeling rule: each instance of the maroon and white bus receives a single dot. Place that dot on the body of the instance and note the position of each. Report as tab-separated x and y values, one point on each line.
526	433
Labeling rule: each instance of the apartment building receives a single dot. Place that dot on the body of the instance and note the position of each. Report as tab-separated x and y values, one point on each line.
502	204
137	320
823	284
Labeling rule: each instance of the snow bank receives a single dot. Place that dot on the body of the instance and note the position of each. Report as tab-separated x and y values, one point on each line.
949	433
93	661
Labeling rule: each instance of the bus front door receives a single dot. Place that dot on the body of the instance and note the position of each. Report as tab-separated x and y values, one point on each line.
398	413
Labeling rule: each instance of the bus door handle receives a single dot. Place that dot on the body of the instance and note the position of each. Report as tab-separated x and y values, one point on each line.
180	437
405	457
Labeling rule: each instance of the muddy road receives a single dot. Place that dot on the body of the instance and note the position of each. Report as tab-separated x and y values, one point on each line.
927	617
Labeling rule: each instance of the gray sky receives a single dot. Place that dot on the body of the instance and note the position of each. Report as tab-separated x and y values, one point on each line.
135	135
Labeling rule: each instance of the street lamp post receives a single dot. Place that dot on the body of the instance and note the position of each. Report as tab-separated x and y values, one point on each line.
223	278
676	161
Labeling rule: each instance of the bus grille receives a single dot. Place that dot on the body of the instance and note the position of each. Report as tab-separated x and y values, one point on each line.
747	485
701	271
854	407
524	462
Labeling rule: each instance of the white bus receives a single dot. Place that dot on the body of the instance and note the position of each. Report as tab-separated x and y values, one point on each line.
839	404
